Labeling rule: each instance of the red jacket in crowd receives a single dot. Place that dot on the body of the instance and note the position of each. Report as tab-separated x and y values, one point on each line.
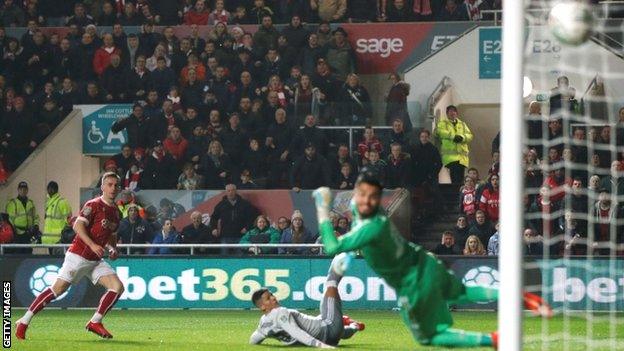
6	233
489	203
176	149
364	146
198	18
102	58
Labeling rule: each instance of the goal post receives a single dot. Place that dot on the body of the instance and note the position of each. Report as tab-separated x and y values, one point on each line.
511	189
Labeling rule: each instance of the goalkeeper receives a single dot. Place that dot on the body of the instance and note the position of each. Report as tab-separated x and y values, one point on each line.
423	284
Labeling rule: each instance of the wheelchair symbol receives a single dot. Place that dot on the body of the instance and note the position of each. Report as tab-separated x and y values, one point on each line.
95	135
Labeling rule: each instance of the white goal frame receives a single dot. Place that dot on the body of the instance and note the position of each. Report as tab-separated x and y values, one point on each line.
512	129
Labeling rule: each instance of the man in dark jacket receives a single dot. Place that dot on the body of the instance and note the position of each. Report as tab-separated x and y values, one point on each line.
135	230
310	133
335	162
114	80
136	125
160	170
447	246
295	33
231	218
426	160
279	136
197	233
265	37
482	228
234	141
310	171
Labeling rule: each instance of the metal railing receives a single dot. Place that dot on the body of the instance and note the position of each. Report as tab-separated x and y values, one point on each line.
350	129
433	99
192	247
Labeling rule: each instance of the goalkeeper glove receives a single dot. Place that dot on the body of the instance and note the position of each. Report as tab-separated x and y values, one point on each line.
323	200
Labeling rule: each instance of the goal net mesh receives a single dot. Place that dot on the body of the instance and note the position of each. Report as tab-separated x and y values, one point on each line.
574	183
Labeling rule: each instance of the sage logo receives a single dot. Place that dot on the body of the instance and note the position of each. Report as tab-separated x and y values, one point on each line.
384	46
481	276
44	277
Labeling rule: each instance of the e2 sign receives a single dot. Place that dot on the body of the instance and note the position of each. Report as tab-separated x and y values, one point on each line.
490	48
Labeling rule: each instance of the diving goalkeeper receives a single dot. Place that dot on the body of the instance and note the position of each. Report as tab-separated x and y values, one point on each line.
424	286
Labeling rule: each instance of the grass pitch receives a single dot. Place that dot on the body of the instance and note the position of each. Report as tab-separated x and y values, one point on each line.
182	330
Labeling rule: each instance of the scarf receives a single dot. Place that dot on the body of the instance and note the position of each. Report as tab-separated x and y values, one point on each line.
422	7
158	155
109	50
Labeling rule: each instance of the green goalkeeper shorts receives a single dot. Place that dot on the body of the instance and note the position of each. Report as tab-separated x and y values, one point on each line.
423	298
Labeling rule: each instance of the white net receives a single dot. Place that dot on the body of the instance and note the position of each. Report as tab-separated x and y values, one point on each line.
574	185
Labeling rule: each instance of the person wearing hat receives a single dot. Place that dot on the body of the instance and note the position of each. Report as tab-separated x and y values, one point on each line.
455	136
23	216
340	55
310	170
160	170
297	233
57	210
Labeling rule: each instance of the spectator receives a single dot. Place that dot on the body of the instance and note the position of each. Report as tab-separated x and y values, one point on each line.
297	234
374	162
606	215
57	211
163	77
189	180
160	169
345	180
234	141
254	160
11	15
176	145
48	118
114	80
279	136
369	142
535	127
354	103
6	230
134	230
283	223
398	135
309	134
533	245
18	138
343	226
562	97
259	12
167	235
397	11
361	11
309	171
24	218
340	55
265	37
614	183
493	243
460	232
454	136
396	101
241	16
246	181
219	14
198	15
140	80
295	33
453	12
80	18
336	162
124	159
215	166
262	233
489	199
426	160
136	125
310	54
103	55
160	51
107	17
447	246
232	217
197	233
482	227
329	10
468	202
398	167
132	177
474	247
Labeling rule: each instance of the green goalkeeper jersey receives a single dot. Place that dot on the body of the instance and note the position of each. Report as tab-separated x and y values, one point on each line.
384	249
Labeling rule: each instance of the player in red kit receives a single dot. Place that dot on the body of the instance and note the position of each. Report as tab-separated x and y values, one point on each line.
96	233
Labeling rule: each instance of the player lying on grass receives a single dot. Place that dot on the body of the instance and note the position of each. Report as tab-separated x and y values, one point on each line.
424	286
96	229
291	326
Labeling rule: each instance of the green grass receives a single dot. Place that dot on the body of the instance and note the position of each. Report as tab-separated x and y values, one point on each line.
229	330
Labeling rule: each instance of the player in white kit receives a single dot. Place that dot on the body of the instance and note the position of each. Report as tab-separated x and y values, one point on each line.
293	327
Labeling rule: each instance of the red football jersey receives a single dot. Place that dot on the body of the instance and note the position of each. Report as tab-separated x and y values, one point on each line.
102	221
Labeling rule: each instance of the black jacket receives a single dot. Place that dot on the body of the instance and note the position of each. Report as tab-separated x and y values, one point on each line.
210	170
234	143
306	135
233	217
309	173
426	162
159	174
137	129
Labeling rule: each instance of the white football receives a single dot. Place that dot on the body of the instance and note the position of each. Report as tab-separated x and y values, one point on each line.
571	22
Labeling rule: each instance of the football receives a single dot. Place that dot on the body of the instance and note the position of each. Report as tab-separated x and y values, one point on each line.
571	22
